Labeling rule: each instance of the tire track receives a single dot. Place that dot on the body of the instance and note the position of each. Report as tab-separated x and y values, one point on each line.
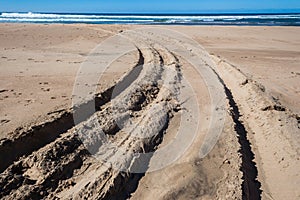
66	157
42	134
250	186
105	183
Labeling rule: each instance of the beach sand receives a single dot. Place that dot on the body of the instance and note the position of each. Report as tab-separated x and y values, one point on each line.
255	72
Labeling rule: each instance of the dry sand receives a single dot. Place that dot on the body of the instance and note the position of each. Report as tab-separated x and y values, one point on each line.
255	69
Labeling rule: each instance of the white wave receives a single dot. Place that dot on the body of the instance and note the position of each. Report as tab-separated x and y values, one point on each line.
69	20
42	17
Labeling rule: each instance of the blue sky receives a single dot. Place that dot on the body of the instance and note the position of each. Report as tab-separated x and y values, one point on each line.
152	6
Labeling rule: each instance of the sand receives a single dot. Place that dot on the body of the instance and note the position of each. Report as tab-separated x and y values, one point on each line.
252	71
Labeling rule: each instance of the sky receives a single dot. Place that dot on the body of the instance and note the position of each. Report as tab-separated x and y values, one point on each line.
152	6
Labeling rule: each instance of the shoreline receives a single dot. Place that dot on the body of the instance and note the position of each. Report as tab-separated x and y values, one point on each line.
154	25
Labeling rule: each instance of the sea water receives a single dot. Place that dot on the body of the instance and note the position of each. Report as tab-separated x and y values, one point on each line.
288	19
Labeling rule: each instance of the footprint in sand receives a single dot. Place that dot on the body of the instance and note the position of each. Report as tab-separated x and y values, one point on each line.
45	89
4	90
4	121
28	101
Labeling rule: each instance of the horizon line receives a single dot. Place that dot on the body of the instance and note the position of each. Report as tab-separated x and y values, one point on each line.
157	13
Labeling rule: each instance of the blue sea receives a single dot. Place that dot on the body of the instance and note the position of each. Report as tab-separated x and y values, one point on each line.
288	19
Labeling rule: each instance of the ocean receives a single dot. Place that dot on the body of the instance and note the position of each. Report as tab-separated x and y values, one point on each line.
274	19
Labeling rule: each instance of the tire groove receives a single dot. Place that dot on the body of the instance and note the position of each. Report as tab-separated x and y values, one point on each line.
250	186
42	134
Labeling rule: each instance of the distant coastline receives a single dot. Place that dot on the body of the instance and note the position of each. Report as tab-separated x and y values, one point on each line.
249	19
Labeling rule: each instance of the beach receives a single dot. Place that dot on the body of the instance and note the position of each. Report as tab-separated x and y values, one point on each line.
253	71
